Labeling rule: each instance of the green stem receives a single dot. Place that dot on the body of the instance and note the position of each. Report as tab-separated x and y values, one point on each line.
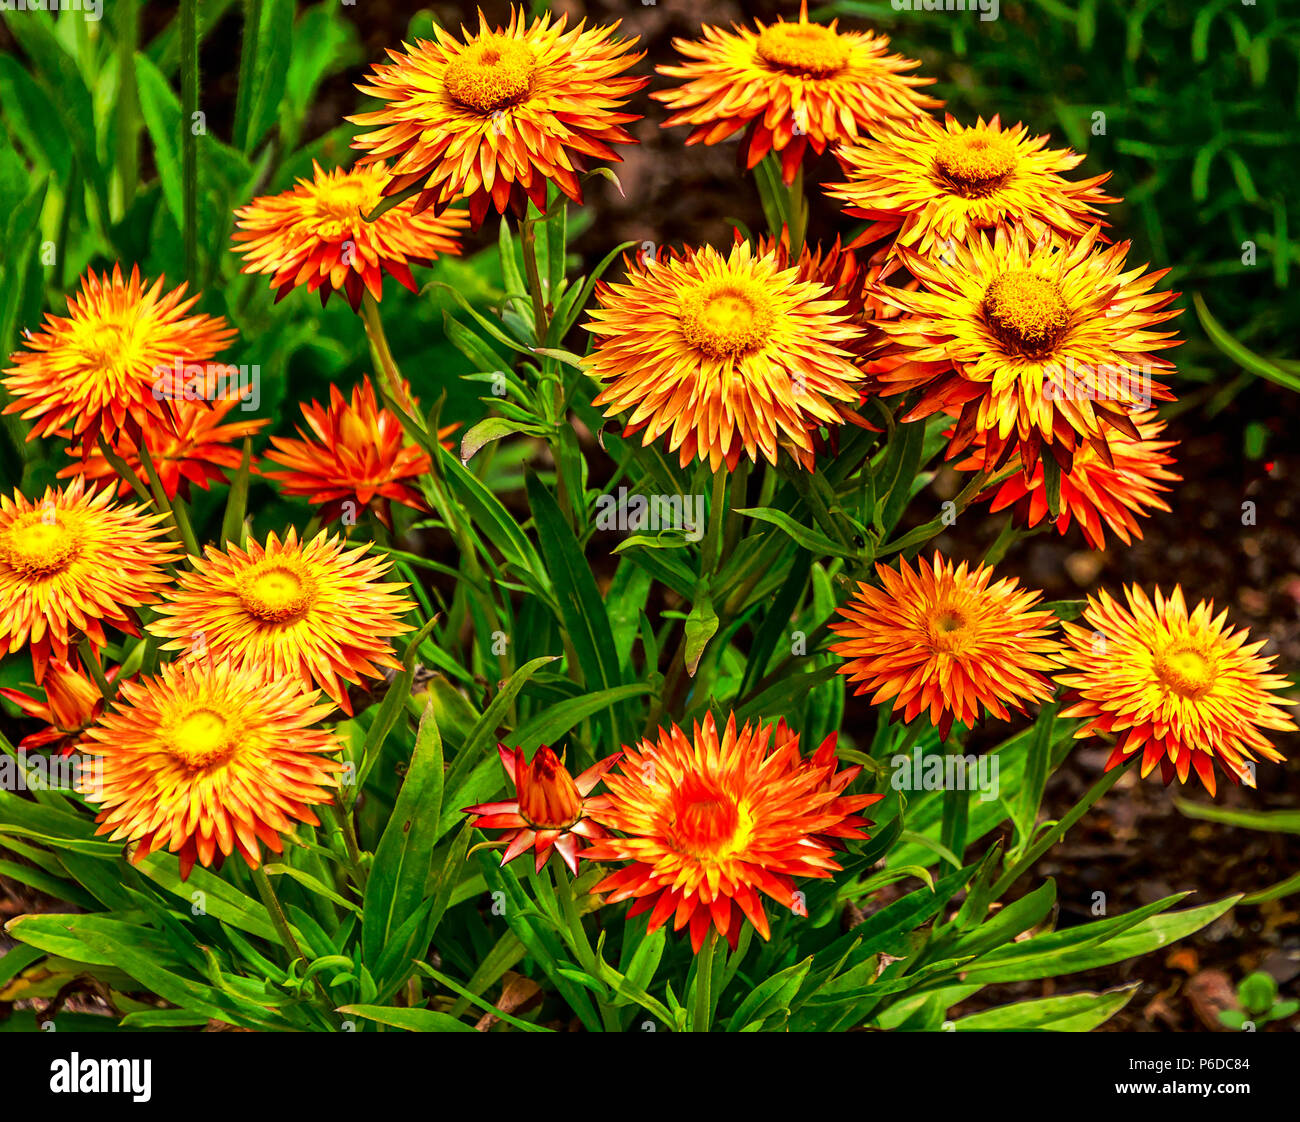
343	817
127	162
710	553
956	811
271	902
123	470
704	984
1058	832
176	508
383	358
107	690
189	141
528	239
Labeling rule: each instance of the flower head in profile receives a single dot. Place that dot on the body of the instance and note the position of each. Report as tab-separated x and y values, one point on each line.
352	451
1098	494
950	641
72	562
930	185
1037	347
312	612
208	759
551	808
727	355
791	86
198	451
1183	689
495	116
317	234
96	369
712	823
72	703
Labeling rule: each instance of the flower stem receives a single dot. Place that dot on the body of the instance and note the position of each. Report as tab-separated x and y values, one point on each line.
107	689
120	466
280	921
704	984
383	355
176	508
528	239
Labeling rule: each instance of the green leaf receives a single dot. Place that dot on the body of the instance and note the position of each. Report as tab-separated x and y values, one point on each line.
1240	354
1076	1012
1093	945
813	540
770	999
412	1020
701	626
553	722
581	609
1275	821
395	888
490	429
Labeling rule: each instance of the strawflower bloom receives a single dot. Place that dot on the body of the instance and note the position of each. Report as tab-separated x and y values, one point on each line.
1095	493
551	808
352	451
1036	346
72	703
726	355
948	640
197	451
95	369
313	612
72	562
792	86
208	759
1183	689
929	185
712	824
317	234
495	116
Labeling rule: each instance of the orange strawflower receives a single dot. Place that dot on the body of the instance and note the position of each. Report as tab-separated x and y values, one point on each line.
97	369
713	824
72	703
930	185
207	759
1184	689
726	355
317	234
311	612
196	451
948	641
71	562
551	809
1036	346
791	86
495	117
1095	493
354	452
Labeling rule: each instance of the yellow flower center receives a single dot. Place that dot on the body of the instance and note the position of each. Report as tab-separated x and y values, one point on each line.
804	48
108	349
39	545
727	318
201	737
276	592
491	74
975	164
948	630
707	823
346	199
1185	670
1026	311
